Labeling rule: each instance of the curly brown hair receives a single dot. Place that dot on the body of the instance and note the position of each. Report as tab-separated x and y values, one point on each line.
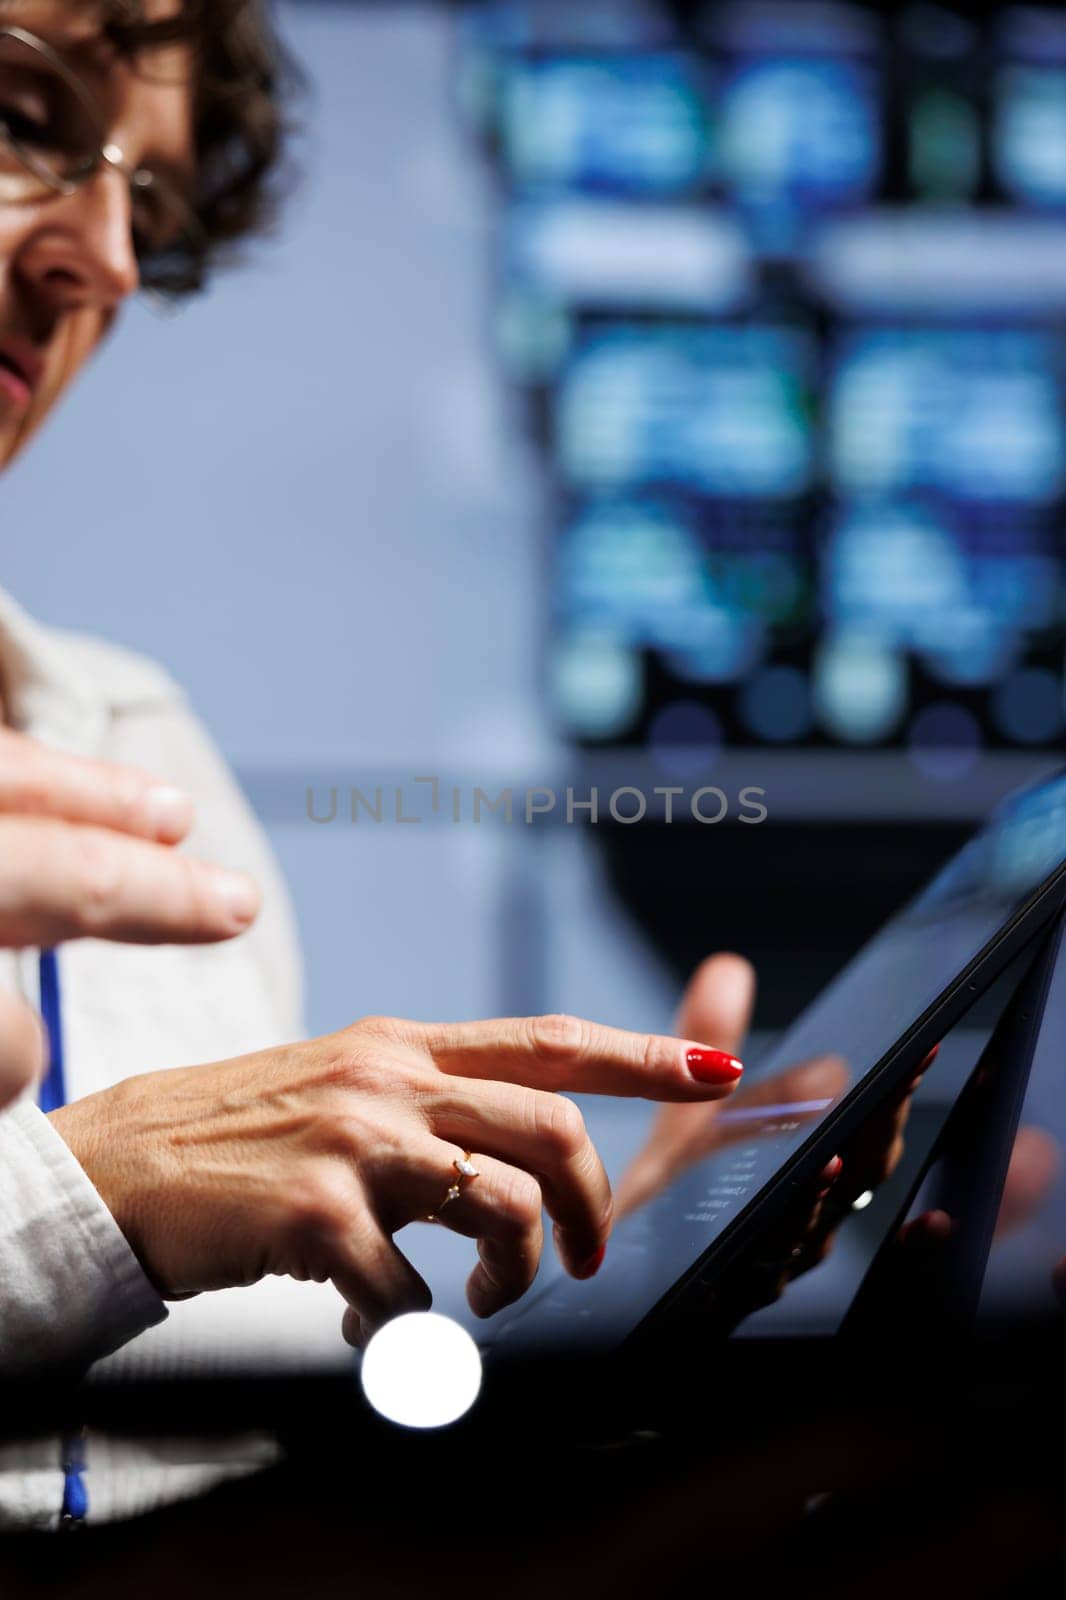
244	79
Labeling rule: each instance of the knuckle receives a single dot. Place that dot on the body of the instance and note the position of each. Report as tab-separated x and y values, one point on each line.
320	1204
375	1027
98	877
127	798
519	1200
366	1063
195	898
559	1126
657	1057
25	779
31	788
558	1037
509	1267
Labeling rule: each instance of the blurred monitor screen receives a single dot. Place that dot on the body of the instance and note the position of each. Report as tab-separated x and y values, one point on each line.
949	586
976	414
785	282
800	131
1030	149
719	411
625	124
656	575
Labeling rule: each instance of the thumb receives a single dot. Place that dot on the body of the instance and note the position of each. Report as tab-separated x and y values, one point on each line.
22	1049
717	1005
716	1008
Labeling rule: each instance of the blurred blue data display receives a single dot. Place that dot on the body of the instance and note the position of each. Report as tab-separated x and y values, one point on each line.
974	414
963	594
662	576
718	411
784	281
802	133
628	124
499	25
706	590
1030	134
493	32
634	568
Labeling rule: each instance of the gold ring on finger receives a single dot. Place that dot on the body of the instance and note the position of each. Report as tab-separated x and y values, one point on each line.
465	1172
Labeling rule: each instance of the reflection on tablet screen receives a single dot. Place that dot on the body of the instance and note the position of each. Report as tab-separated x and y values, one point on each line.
827	1055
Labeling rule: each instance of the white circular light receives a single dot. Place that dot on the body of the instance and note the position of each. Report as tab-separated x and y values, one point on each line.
863	1200
422	1370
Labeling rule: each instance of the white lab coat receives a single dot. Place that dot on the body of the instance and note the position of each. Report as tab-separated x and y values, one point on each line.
71	1290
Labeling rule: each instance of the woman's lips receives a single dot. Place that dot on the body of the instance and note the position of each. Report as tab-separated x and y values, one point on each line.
14	388
21	368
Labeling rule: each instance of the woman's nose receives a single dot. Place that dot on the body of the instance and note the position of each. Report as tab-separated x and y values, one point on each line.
79	250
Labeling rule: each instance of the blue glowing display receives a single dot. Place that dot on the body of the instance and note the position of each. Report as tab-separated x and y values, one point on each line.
801	132
784	284
717	411
977	414
627	124
1030	134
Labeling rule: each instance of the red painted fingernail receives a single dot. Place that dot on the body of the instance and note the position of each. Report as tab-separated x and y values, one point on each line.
589	1268
713	1066
930	1058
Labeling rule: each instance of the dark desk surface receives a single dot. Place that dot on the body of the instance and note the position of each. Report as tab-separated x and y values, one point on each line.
793	1467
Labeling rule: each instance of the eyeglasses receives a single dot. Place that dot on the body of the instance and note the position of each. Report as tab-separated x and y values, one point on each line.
54	138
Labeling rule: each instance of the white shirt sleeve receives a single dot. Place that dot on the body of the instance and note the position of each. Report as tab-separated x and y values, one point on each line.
71	1289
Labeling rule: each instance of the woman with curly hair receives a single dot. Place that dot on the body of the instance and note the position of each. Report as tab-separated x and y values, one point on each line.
180	1144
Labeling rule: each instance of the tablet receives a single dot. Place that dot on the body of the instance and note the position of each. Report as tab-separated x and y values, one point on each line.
869	1031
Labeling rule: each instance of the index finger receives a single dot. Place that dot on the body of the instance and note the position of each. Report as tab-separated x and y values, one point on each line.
563	1052
40	782
61	882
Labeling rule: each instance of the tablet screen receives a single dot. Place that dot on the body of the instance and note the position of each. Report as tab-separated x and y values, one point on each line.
823	1059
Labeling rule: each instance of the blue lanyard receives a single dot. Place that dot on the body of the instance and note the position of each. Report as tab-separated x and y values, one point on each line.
53	1091
52	1095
